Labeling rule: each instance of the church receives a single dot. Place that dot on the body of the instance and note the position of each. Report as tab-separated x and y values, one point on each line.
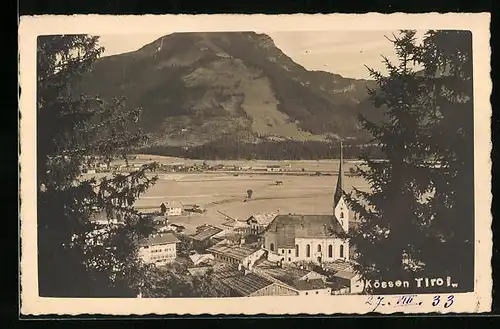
311	238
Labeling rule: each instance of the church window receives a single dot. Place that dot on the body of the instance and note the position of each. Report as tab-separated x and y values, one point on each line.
308	251
330	251
341	251
341	214
296	250
319	248
289	251
271	246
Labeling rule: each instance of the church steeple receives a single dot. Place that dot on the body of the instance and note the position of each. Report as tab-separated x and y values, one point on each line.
338	190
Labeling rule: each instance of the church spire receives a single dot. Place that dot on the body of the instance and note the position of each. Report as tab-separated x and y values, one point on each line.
339	189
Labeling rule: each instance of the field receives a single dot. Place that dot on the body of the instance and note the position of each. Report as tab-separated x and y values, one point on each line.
224	196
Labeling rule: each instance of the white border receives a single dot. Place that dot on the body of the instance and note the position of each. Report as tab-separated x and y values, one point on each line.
31	27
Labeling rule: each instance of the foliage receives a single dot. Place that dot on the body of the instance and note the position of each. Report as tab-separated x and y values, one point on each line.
165	283
73	131
418	217
229	149
185	245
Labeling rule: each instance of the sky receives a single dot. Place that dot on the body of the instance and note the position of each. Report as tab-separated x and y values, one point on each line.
340	52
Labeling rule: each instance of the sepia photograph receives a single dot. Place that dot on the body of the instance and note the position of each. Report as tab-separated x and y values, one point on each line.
217	164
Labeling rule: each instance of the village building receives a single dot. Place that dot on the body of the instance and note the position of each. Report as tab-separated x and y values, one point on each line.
344	277
176	228
312	238
259	222
200	264
198	259
237	281
241	227
273	168
204	236
171	208
236	254
159	248
304	282
103	218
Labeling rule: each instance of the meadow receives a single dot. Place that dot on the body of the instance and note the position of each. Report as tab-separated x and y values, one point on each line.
224	195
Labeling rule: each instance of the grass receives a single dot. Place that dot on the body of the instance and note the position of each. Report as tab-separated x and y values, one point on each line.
224	195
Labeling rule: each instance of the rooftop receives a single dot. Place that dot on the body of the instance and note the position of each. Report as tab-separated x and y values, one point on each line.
345	275
240	224
206	233
243	284
288	274
289	227
172	204
263	218
233	251
157	239
339	265
201	258
312	284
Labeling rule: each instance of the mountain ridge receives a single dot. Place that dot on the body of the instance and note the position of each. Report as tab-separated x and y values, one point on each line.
196	88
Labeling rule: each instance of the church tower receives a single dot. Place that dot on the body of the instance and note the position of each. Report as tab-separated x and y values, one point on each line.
340	210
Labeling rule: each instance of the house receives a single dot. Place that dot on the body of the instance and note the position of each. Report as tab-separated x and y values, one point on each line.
344	276
159	248
199	270
229	236
242	228
200	264
176	228
198	259
203	238
312	287
159	220
237	281
350	280
273	168
302	281
103	218
313	238
236	254
259	222
171	208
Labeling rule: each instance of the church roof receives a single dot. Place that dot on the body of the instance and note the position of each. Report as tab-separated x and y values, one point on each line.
290	227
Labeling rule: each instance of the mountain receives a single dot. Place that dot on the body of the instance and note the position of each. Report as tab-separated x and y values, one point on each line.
196	88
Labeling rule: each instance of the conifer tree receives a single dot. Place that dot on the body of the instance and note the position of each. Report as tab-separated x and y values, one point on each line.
417	215
74	131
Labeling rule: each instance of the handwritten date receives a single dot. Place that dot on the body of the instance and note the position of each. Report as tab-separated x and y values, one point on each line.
407	300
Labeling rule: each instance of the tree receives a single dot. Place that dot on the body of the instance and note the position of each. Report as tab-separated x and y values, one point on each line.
249	193
72	131
449	247
418	216
163	209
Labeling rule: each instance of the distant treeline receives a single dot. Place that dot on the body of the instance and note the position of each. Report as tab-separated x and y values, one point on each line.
282	150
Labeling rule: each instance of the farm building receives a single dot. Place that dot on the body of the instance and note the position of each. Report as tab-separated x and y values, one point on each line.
171	208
